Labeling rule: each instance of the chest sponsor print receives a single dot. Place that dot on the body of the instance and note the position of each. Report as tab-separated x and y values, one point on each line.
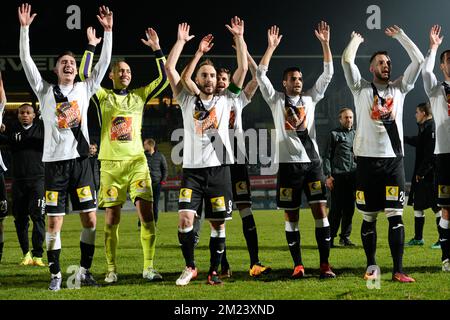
295	118
68	115
121	129
209	123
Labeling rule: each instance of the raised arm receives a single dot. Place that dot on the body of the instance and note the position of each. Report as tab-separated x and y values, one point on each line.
412	71
171	63
186	76
105	17
351	71
252	85
154	88
31	71
323	34
273	40
237	30
88	56
428	76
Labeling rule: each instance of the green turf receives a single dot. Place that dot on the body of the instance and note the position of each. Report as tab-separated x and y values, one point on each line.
423	263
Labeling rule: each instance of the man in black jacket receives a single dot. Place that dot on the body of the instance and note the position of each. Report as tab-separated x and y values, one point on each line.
339	167
26	141
422	195
158	171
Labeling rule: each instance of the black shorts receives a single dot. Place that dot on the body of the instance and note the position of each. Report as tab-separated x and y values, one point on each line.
443	179
293	178
28	198
380	184
69	177
240	184
211	185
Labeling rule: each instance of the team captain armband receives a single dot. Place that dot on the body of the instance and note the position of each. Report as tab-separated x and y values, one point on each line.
234	89
86	62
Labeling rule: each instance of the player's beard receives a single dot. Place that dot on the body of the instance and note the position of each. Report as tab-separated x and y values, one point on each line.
207	90
379	76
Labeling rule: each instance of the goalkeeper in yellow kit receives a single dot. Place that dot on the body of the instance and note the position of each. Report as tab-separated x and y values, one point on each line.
123	163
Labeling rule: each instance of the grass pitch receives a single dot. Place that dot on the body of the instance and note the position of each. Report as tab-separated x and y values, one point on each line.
422	263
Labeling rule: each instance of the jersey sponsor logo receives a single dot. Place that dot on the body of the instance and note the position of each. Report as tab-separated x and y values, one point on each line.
51	198
121	129
285	194
360	198
68	114
241	188
111	194
382	111
315	187
295	118
232	122
142	186
84	194
207	124
392	193
448	104
185	195
218	204
444	191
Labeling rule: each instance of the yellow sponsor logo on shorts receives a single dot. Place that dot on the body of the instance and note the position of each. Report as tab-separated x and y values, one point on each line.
218	204
315	187
444	191
285	194
392	193
51	198
241	188
185	195
111	194
84	194
360	198
141	186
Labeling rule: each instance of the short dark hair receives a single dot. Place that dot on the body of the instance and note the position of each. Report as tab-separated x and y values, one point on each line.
344	109
151	142
442	57
426	108
115	64
65	53
378	53
289	70
224	70
26	105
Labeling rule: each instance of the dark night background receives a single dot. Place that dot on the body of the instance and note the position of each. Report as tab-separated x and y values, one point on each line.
297	19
